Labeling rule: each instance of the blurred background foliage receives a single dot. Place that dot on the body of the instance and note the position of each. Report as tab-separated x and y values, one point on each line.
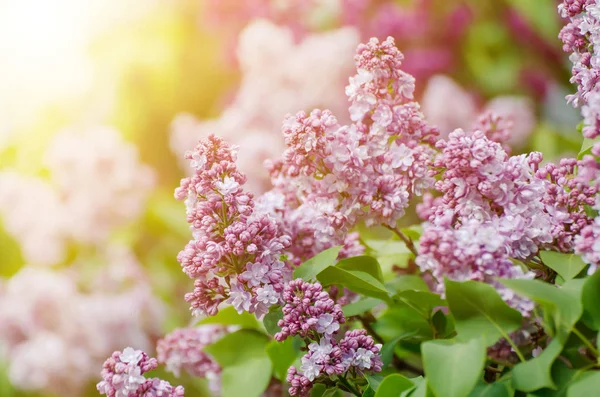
134	67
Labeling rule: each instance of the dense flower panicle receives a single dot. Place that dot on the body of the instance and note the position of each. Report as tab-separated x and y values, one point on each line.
581	38
308	310
587	244
531	208
123	376
356	354
183	349
236	252
332	176
473	251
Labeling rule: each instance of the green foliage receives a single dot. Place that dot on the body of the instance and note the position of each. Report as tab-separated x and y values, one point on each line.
445	375
282	355
367	281
479	311
567	266
309	269
246	364
393	385
229	316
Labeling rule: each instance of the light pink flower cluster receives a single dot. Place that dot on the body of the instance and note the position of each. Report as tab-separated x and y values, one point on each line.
183	349
237	253
480	181
97	184
279	76
587	243
581	38
123	376
473	251
333	176
310	313
45	317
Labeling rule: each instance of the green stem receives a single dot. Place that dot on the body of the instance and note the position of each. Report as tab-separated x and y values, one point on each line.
586	342
349	386
407	240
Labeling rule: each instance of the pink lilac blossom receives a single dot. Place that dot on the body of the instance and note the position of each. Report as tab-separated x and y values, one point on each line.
278	77
333	176
236	254
587	242
473	251
123	376
308	310
310	313
581	38
182	349
45	316
480	181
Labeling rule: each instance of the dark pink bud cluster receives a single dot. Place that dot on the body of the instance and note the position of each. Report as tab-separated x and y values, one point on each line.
183	349
581	38
123	376
360	351
236	252
308	311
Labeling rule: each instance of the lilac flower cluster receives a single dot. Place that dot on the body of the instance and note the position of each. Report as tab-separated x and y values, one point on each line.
123	376
333	176
581	38
183	349
474	251
310	313
587	242
236	254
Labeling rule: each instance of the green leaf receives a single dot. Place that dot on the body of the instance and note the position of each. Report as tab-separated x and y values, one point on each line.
390	252
408	282
586	147
387	351
401	319
445	377
229	316
361	306
318	390
496	389
566	265
374	381
368	392
357	281
271	319
364	263
393	385
421	301
537	373
479	311
249	378
309	269
282	355
591	298
237	347
562	307
422	390
588	385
